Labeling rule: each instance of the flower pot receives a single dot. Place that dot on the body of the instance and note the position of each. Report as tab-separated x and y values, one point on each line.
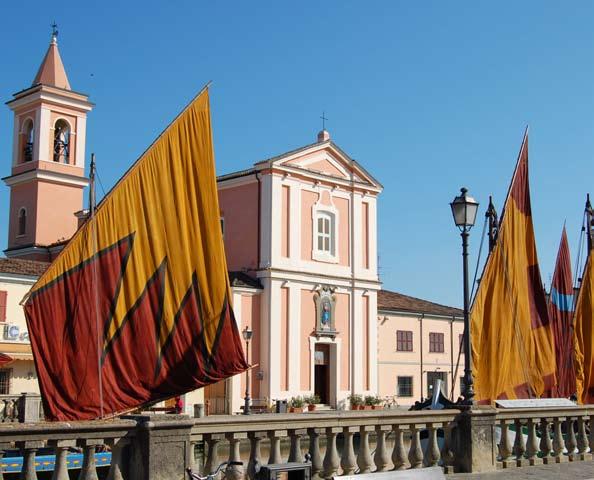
295	409
311	407
367	407
377	407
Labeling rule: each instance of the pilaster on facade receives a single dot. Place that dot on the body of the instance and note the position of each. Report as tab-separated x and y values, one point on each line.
294	336
274	338
266	225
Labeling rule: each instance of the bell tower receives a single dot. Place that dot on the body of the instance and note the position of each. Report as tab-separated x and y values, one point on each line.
47	179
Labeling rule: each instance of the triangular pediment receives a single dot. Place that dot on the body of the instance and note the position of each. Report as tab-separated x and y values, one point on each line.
325	159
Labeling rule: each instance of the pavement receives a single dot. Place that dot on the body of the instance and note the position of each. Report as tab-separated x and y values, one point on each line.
572	470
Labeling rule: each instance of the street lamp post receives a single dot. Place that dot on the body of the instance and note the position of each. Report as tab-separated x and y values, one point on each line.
464	209
247	335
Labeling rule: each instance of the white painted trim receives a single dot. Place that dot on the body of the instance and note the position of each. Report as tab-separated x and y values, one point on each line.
81	133
330	211
43	147
17	278
266	221
303	275
234	394
276	218
274	338
46	175
50	97
295	226
328	178
372	342
247	291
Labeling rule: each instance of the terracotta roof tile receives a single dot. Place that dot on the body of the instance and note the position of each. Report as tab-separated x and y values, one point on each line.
19	266
387	300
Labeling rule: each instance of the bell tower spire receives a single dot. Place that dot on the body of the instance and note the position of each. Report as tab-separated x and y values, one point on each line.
47	179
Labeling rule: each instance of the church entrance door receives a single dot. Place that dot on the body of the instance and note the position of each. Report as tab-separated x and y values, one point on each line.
322	373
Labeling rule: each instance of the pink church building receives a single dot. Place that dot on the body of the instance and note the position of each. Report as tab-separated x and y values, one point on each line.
300	233
302	227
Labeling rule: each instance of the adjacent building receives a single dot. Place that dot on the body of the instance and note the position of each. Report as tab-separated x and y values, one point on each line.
418	342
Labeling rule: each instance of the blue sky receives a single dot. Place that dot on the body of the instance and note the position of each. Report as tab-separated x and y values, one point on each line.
428	96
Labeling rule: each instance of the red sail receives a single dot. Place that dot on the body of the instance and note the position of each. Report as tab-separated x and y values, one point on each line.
561	306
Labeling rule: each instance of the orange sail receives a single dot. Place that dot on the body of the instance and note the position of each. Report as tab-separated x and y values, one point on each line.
136	307
512	341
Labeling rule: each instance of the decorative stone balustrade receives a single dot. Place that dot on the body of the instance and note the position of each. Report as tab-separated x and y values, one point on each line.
532	436
388	440
61	437
159	447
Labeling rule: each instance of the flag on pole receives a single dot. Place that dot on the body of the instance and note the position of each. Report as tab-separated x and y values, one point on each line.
512	340
561	317
584	336
136	307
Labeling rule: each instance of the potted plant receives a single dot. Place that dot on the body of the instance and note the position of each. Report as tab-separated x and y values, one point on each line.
296	404
356	401
374	402
311	401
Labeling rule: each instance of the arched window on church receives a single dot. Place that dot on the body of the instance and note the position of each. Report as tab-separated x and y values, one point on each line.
22	221
28	136
62	142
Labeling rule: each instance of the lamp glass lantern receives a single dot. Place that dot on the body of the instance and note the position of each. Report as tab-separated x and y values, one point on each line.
464	210
247	333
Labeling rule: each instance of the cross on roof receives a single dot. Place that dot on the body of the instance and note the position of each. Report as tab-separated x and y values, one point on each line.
54	29
323	117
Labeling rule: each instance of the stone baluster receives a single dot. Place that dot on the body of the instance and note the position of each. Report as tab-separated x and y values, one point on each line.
505	446
331	459
118	467
591	436
532	447
546	444
314	450
364	460
212	459
558	442
60	450
571	443
582	439
88	470
28	450
381	457
519	443
255	461
348	462
275	450
415	454
234	472
447	454
432	452
399	452
295	453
